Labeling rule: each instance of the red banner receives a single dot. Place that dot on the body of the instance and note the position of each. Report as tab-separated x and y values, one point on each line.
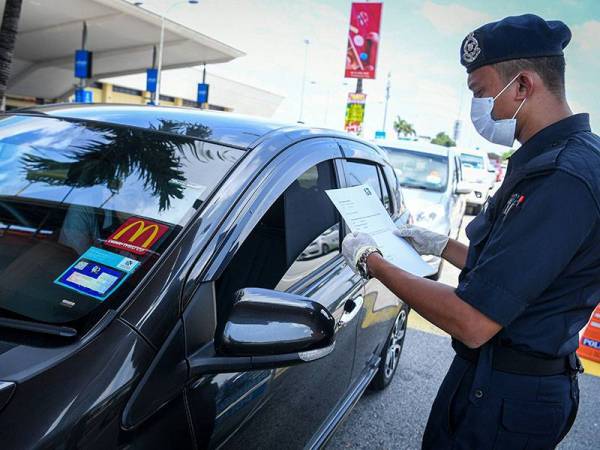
363	40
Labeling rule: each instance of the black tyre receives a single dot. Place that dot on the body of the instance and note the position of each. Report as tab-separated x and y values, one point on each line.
325	249
392	350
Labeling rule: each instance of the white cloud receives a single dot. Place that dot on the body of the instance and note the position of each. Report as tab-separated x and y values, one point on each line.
586	36
454	18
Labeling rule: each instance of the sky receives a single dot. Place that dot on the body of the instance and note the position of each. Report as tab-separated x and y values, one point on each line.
419	47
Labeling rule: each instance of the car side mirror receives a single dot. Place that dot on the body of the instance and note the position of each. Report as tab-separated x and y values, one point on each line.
462	188
268	329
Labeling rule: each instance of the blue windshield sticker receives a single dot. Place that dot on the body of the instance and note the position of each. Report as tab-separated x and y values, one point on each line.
97	273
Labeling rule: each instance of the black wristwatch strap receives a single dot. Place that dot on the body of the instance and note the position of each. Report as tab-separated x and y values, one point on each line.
361	265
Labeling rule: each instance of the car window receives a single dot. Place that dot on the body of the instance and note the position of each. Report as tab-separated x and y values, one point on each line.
385	192
296	236
472	161
86	209
420	170
358	173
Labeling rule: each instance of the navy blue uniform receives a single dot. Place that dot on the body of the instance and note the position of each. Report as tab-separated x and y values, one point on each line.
533	267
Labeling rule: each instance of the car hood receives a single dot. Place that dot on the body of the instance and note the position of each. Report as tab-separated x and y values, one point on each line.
417	199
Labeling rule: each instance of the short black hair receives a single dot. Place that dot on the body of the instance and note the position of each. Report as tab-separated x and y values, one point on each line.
551	70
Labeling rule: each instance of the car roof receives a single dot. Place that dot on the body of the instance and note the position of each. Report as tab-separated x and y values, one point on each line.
216	126
417	146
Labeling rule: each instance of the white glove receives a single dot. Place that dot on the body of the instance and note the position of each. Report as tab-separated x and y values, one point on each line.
425	242
353	246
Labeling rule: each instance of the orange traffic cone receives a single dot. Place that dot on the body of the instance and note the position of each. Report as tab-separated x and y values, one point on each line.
589	345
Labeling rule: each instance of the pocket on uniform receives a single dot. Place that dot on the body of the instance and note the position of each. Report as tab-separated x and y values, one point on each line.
528	425
479	228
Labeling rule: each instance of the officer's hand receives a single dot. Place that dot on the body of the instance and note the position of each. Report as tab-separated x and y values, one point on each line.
354	245
425	242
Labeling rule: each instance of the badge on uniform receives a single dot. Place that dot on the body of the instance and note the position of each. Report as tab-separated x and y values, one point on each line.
515	200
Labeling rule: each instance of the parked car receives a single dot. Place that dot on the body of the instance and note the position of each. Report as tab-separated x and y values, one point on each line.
432	186
153	293
475	171
323	244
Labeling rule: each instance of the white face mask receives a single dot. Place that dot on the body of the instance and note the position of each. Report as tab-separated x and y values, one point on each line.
500	132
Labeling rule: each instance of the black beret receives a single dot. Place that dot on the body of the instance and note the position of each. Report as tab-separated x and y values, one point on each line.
515	37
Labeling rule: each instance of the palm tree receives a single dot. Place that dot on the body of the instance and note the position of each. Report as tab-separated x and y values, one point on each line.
8	37
116	153
402	127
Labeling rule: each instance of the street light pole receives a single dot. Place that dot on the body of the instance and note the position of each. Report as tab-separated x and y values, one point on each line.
156	94
306	43
387	97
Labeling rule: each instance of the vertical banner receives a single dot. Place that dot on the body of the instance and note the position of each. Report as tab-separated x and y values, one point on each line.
355	112
202	94
151	80
363	40
83	64
83	96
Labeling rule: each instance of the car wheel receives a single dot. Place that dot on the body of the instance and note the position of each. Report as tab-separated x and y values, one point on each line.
390	355
325	249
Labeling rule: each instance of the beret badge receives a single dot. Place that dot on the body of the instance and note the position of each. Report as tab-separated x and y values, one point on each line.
471	49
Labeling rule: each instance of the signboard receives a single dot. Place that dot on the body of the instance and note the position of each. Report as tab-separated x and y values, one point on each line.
363	40
380	134
151	79
83	96
83	64
136	235
202	93
355	112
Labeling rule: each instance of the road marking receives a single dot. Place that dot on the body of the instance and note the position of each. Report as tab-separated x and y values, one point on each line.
591	367
419	323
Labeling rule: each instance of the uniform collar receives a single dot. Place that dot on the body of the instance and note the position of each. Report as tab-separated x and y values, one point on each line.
549	137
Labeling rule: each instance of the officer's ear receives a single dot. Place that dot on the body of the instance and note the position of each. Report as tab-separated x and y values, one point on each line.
526	83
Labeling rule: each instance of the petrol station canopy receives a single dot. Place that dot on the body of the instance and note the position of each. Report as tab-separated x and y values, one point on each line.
120	35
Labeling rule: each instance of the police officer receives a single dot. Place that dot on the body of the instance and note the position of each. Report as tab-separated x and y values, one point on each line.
531	274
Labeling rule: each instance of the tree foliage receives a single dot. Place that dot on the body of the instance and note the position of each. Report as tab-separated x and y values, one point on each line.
402	127
443	139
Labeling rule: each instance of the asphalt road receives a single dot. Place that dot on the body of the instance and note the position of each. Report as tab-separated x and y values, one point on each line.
396	417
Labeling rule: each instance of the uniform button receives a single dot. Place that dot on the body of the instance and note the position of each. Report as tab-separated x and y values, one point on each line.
478	393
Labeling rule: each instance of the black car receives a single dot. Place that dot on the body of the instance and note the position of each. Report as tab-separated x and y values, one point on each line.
152	289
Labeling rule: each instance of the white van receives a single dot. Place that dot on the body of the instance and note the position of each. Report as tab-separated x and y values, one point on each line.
475	167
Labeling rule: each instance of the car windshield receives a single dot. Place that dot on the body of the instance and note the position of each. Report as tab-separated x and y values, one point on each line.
419	170
86	209
472	161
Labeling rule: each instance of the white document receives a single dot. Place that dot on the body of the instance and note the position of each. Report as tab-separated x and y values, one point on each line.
363	212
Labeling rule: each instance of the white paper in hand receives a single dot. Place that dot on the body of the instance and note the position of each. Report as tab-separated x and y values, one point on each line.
364	213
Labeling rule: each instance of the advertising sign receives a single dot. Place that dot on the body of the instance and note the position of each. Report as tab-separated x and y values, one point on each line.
83	64
151	79
363	40
355	112
84	96
136	235
202	93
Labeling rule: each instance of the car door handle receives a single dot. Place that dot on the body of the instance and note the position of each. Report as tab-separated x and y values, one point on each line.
351	308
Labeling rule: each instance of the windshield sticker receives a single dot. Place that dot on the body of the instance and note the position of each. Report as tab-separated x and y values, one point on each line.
97	273
136	235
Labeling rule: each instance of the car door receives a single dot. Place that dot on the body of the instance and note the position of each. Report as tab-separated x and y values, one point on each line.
453	197
380	306
272	246
460	204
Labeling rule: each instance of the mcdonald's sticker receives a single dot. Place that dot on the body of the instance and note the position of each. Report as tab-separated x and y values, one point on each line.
136	235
